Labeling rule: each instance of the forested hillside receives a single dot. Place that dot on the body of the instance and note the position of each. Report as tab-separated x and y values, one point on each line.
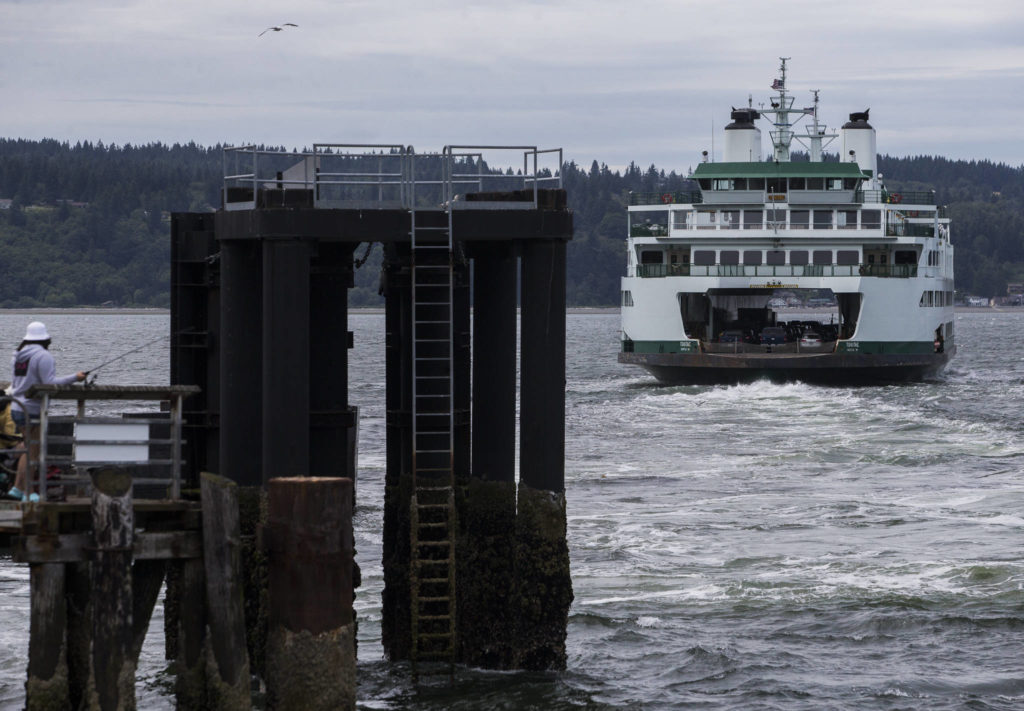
89	224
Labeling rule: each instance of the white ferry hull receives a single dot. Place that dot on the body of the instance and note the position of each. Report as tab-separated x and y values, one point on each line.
823	368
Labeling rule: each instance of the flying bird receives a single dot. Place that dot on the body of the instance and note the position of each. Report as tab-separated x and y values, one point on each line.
277	28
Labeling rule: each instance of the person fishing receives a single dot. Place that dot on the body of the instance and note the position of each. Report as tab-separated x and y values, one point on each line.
32	364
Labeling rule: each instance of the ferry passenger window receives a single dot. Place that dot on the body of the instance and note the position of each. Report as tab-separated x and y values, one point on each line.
798	257
722	184
822	219
739	183
905	256
627	298
729	256
847	256
730	219
797	184
815	183
679	219
649	256
799	219
752	256
822	256
705	219
775	256
846	219
871	219
755	183
836	184
753	219
850	183
703	257
705	183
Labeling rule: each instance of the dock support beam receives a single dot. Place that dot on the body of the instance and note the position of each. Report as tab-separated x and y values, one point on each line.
543	583
396	626
286	348
241	362
311	638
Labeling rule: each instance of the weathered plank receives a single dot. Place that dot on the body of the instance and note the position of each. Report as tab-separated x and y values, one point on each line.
229	686
76	547
112	676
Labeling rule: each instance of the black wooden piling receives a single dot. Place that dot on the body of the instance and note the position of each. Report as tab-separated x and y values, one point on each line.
543	582
112	678
486	622
311	637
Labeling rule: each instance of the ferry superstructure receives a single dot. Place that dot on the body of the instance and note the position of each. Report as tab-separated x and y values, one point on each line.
712	271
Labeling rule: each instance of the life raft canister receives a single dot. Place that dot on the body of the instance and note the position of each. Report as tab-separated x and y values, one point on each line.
666	198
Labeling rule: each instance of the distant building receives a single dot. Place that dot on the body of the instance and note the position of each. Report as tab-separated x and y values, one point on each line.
5	203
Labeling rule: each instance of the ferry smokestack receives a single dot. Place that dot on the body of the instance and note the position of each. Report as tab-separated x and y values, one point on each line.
859	142
742	137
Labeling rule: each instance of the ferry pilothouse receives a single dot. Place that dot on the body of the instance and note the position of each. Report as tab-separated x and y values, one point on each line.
789	269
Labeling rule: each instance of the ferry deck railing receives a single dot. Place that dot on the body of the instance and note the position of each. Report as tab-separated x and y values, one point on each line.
691	197
106	440
388	176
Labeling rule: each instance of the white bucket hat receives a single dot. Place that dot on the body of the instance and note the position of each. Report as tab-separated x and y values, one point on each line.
36	331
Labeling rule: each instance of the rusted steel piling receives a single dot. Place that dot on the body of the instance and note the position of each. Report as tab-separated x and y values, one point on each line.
311	636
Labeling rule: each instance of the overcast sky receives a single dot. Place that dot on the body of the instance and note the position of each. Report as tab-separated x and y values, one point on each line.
611	80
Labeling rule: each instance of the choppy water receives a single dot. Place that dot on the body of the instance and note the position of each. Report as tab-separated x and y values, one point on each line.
756	546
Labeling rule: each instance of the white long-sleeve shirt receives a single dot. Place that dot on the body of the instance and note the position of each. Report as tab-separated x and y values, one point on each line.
34	365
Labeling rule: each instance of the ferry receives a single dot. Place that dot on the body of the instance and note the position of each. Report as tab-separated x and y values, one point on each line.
808	269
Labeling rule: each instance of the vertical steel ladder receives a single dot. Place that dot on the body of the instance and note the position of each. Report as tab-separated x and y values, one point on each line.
432	516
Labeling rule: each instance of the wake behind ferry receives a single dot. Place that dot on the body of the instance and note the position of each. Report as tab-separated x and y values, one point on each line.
788	269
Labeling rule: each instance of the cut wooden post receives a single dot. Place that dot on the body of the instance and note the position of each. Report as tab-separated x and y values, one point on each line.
228	672
112	669
47	686
310	642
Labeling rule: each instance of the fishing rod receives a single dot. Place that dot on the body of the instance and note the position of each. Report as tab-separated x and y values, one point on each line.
126	353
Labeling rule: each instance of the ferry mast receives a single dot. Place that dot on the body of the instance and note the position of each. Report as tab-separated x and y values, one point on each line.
782	133
780	110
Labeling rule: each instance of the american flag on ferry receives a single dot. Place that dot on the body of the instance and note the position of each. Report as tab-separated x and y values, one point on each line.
778	84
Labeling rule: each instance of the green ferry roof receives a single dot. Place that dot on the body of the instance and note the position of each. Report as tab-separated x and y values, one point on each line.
771	169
